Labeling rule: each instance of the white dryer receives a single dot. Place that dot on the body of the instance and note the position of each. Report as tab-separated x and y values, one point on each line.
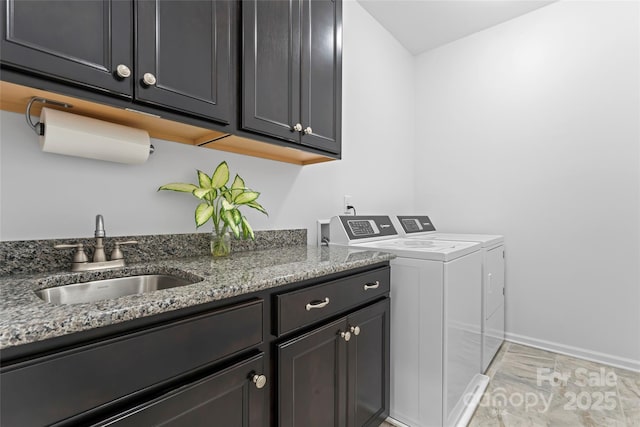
435	321
493	305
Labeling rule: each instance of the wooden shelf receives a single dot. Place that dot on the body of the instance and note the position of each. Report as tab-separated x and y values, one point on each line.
15	97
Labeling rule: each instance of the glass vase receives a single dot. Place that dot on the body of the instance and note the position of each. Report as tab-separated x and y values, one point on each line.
220	243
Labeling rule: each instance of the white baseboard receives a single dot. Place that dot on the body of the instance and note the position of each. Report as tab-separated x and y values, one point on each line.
580	353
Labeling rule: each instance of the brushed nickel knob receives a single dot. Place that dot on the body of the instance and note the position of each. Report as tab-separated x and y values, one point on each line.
149	79
123	71
346	335
297	127
308	130
259	380
355	330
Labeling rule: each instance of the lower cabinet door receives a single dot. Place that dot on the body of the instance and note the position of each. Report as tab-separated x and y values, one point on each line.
312	378
368	360
230	397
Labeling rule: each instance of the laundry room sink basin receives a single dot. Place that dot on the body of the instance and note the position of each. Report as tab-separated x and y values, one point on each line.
98	290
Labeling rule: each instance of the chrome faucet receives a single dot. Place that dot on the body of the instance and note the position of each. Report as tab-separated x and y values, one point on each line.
81	260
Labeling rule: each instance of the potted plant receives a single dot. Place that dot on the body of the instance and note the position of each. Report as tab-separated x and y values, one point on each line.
221	204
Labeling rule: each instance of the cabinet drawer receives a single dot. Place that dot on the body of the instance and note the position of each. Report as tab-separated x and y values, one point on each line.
71	382
303	307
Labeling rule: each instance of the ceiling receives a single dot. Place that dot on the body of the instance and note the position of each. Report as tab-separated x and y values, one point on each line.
421	25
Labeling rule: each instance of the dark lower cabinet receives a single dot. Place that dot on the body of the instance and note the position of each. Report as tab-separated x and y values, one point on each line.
72	383
325	363
338	374
368	355
312	378
226	398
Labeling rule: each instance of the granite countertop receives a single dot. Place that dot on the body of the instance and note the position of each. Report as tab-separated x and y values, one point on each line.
24	318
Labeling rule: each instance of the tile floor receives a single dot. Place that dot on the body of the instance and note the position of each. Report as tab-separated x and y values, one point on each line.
531	387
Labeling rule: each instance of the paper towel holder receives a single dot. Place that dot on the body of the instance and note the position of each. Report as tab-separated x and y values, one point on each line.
38	127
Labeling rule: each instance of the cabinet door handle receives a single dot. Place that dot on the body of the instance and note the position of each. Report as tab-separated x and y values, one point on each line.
308	130
316	304
346	335
297	127
355	330
148	79
259	380
368	286
123	71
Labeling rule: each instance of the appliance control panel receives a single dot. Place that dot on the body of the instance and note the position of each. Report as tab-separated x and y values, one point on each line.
416	224
357	227
363	227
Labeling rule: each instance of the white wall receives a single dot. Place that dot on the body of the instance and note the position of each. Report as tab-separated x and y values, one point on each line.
50	196
531	129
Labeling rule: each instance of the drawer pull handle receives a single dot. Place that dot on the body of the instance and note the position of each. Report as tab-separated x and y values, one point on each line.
259	380
321	304
368	286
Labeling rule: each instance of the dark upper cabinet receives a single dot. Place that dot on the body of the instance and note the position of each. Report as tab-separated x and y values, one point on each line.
267	71
182	49
183	56
321	71
292	70
271	67
82	42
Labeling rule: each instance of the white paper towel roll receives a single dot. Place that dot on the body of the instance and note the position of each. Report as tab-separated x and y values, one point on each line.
80	136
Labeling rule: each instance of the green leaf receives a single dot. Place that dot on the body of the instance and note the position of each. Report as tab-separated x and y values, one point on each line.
221	175
203	213
201	192
246	197
227	206
238	183
179	186
228	219
237	187
257	206
203	180
237	217
247	229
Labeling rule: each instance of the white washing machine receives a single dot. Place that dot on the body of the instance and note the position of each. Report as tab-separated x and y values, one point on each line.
493	306
435	321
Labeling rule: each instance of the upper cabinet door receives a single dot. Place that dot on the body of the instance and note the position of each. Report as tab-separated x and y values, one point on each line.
271	67
82	42
292	70
321	70
183	56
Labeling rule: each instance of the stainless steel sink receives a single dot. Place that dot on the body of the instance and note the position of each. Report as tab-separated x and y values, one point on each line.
98	290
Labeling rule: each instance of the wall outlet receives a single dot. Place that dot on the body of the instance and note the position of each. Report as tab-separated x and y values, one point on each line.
347	202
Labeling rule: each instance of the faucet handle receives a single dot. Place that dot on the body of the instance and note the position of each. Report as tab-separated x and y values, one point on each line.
80	256
117	253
